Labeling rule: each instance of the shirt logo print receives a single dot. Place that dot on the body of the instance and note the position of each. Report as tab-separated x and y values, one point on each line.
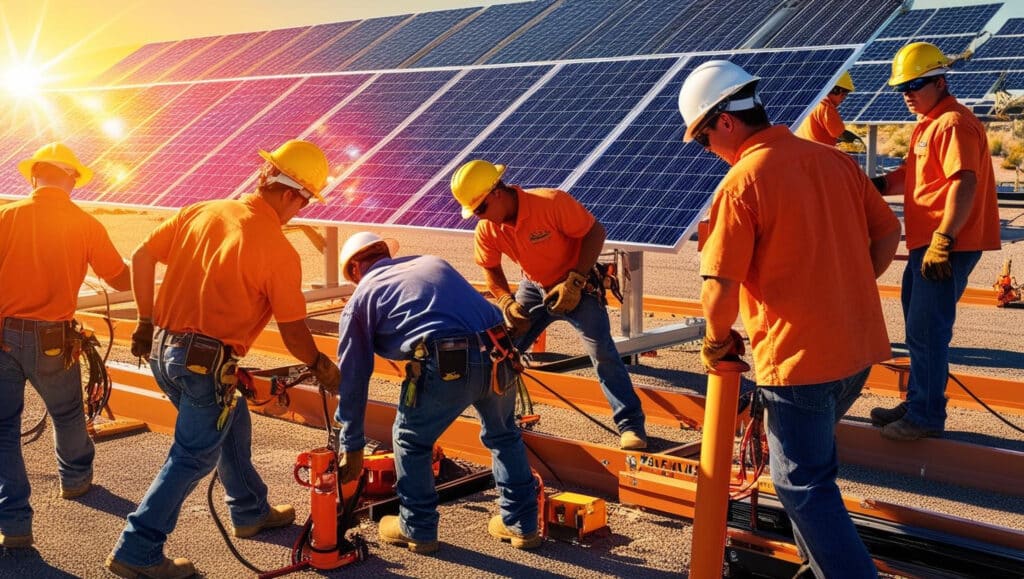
538	236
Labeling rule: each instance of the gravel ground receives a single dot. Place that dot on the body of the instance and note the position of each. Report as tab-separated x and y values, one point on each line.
73	537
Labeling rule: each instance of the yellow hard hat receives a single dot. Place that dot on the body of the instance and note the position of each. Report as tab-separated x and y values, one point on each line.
302	162
915	60
472	182
60	155
845	81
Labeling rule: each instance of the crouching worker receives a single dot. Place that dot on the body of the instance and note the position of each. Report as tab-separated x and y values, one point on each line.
420	309
229	268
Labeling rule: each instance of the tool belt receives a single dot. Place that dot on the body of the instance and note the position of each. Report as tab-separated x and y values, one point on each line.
207	356
53	339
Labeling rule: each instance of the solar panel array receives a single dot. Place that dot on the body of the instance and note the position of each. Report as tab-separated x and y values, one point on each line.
606	128
1002	55
951	29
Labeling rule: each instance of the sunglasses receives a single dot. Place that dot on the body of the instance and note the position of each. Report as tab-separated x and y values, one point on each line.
914	85
480	209
840	91
701	135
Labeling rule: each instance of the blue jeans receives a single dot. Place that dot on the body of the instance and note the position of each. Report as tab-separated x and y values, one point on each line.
929	311
591	322
198	447
802	450
417	428
61	391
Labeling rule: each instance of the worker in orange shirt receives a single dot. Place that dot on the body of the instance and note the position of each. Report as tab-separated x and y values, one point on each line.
951	214
798	236
46	244
229	269
556	242
824	124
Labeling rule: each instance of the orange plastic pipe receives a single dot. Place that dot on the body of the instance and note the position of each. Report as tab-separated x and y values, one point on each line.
708	546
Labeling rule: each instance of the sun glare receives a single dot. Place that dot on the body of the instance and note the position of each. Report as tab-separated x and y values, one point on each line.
23	80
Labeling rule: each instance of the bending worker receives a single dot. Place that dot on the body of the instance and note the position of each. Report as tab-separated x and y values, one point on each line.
556	242
824	124
46	244
952	214
789	214
229	269
420	309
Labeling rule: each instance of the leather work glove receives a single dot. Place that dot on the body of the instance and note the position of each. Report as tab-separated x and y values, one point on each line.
142	338
516	316
935	265
327	373
711	352
350	465
564	297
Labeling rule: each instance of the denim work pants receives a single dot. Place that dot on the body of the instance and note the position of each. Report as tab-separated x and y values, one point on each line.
417	428
198	447
929	311
591	322
804	463
61	391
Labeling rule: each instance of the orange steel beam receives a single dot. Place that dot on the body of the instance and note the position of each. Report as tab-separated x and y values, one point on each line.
973	296
1003	395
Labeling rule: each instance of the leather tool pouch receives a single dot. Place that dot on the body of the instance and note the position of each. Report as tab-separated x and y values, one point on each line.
50	338
204	354
452	358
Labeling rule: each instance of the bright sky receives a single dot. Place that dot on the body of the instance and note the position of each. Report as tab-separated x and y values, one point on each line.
83	37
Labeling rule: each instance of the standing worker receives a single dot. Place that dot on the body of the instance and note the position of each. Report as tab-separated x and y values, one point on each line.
788	217
229	268
824	125
46	244
556	242
420	309
952	214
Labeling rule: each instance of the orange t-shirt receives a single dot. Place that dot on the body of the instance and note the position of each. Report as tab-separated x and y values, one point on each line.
545	240
229	268
46	245
823	125
792	221
947	140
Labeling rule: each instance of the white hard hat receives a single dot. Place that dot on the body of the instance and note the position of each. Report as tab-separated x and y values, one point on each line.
360	242
709	87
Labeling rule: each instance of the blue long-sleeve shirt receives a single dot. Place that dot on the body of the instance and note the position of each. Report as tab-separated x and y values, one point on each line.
397	303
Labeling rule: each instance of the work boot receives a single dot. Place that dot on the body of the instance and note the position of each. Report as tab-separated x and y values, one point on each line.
904	430
77	490
16	541
179	568
498	530
279	516
630	440
882	416
390	531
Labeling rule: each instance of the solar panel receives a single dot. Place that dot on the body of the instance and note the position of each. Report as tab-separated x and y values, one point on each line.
833	22
227	168
629	32
1001	46
315	39
268	44
168	59
333	57
558	31
386	180
885	50
1011	26
131	62
906	24
972	85
718	26
1014	80
410	39
470	42
958	20
195	68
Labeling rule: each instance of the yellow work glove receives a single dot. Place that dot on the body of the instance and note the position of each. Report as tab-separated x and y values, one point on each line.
711	352
350	465
326	373
935	265
564	297
517	319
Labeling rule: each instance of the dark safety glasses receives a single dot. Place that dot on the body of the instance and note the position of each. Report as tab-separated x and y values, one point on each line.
701	134
482	207
914	85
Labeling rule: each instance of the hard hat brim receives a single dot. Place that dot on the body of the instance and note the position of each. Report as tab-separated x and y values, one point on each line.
467	210
84	173
268	157
390	242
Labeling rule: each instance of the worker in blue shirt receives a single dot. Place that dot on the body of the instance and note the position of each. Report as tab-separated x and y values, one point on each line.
421	310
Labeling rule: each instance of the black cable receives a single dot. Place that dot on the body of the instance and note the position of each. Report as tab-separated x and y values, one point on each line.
985	406
224	531
570	404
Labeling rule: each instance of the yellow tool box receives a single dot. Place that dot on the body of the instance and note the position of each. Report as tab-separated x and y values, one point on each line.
572	516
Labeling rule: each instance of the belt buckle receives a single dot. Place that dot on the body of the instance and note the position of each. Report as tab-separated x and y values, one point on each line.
453	344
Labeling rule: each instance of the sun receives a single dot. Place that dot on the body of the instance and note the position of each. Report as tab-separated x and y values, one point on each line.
24	80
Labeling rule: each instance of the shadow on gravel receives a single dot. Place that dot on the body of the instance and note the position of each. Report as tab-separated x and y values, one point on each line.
28	563
101	499
986	357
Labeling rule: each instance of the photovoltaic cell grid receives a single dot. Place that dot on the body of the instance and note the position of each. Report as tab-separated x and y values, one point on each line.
1011	26
412	38
251	55
629	32
906	24
833	22
128	63
237	160
885	50
552	132
1001	47
168	59
718	26
120	160
314	39
474	39
195	68
385	182
959	20
557	32
335	56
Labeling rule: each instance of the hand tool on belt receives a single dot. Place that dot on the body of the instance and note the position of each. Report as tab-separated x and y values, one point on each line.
207	356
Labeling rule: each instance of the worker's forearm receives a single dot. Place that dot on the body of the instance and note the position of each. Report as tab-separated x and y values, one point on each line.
143	276
299	341
720	299
497	284
959	203
590	249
